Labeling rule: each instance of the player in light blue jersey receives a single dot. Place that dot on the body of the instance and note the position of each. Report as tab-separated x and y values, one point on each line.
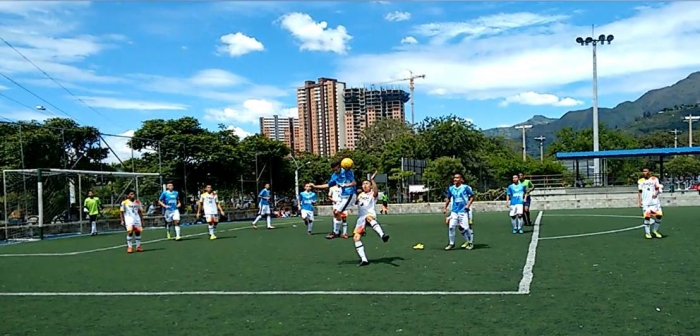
264	207
516	195
170	201
345	179
307	199
461	197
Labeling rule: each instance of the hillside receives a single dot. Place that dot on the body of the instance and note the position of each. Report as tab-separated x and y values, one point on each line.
622	116
511	132
667	120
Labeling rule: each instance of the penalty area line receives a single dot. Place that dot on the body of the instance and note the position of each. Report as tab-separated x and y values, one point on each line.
254	293
528	275
593	233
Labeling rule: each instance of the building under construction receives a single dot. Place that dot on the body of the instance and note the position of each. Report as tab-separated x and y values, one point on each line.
363	107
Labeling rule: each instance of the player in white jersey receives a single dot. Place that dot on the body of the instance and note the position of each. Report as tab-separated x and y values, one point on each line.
131	215
209	201
648	198
367	214
334	195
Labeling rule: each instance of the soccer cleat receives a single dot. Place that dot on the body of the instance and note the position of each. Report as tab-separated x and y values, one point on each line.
331	236
418	246
647	236
255	227
270	227
449	247
129	250
515	231
167	235
657	234
465	245
178	238
385	238
309	233
521	231
139	249
345	236
363	263
212	237
470	246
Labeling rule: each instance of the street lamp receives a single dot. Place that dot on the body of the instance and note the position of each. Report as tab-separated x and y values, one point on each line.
675	133
524	127
541	139
596	141
689	119
296	174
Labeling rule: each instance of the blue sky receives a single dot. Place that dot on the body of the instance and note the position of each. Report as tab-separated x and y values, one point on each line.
495	63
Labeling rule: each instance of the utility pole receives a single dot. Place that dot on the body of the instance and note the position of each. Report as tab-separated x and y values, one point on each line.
689	119
675	133
524	128
596	140
541	139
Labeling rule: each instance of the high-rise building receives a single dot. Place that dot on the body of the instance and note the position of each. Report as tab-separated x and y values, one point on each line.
321	106
364	107
282	129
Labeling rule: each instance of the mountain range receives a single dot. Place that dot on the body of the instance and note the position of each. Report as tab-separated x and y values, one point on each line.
683	96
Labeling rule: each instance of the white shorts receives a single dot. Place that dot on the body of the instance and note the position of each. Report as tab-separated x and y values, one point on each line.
307	215
264	210
652	210
344	204
458	218
172	215
362	221
132	225
211	218
516	210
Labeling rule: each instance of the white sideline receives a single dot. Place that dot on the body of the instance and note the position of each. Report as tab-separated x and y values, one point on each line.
526	281
250	293
593	233
66	254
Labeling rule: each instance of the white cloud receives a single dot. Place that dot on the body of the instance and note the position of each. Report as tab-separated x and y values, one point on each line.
409	40
126	104
539	99
239	131
250	111
503	126
316	36
216	78
120	146
239	44
494	59
397	16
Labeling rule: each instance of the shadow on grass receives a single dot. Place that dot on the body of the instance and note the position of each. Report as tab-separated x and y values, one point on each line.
386	260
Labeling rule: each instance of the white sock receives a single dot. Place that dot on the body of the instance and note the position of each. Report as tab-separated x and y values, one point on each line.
94	227
377	228
657	222
177	230
309	226
451	234
467	234
647	226
360	250
336	226
269	221
520	223
211	230
257	219
128	241
514	222
345	226
138	240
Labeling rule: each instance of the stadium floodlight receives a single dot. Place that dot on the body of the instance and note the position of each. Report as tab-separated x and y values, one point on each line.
602	38
541	140
690	119
524	128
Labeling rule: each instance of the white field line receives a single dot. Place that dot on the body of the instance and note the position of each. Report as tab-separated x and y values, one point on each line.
589	215
593	233
66	254
252	293
526	281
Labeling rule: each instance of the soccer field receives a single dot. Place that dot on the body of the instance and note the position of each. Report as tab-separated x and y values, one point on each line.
579	273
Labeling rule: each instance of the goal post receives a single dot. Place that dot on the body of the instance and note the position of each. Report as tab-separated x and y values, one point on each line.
38	203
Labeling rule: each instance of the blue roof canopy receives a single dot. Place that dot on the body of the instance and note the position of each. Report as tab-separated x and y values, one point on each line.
621	153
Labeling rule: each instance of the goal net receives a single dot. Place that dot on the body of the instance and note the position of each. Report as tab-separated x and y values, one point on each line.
41	203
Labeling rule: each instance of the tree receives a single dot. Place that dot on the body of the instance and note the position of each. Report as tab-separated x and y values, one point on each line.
441	171
382	132
683	165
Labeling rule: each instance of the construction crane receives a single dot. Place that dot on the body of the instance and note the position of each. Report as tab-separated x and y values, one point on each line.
411	79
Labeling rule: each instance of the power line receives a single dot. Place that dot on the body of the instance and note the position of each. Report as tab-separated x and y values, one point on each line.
53	79
37	96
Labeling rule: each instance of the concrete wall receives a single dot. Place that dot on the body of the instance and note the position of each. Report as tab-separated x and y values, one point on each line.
550	202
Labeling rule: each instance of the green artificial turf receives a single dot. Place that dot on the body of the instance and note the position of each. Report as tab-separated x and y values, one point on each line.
609	284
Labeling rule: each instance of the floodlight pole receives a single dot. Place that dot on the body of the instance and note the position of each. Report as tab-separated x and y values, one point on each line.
596	132
296	174
541	139
689	119
675	133
524	128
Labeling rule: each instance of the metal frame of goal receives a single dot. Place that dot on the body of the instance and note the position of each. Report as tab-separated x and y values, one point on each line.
28	194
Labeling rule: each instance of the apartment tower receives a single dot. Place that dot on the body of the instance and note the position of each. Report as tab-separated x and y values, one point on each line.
322	122
364	107
282	129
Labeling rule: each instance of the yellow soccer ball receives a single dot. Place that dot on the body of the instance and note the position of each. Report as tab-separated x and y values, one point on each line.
346	163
